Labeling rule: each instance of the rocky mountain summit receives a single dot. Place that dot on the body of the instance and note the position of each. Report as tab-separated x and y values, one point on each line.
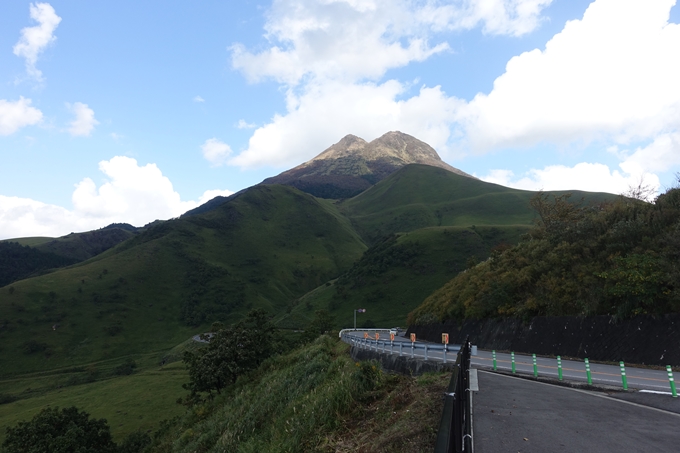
352	165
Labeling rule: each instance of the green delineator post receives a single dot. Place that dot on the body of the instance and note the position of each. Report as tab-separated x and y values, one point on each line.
535	366
493	353
559	367
623	376
671	381
512	357
590	379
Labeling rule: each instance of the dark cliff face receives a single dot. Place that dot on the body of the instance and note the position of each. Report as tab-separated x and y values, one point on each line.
352	165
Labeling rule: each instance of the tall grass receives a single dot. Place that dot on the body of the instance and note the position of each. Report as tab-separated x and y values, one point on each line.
292	403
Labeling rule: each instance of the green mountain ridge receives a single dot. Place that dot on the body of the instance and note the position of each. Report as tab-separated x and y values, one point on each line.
267	246
263	248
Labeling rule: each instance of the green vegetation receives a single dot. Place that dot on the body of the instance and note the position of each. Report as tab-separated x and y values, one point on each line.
18	262
130	402
230	352
419	196
312	399
394	276
81	246
619	258
263	248
60	431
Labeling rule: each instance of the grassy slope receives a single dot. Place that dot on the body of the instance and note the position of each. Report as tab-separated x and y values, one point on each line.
30	241
314	399
129	403
263	248
395	277
419	196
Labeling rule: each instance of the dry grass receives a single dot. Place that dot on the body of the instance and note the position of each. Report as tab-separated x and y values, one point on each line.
404	417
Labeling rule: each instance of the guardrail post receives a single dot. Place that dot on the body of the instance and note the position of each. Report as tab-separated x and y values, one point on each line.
401	345
425	351
493	354
535	366
623	376
559	367
671	381
590	379
512	357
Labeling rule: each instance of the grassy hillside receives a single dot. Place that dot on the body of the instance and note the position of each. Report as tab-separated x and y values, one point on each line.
619	259
419	196
138	400
81	246
397	274
313	399
263	248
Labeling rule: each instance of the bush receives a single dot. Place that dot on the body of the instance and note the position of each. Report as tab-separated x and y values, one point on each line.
60	431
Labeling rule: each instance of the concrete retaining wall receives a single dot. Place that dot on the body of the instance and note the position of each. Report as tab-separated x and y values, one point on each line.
648	340
400	364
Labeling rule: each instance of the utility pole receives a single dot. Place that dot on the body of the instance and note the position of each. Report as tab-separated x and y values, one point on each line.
359	310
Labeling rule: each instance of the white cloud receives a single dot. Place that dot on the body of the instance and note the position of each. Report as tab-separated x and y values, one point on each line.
215	151
17	114
242	124
329	111
35	39
592	177
331	54
610	76
132	193
663	154
84	120
210	194
198	99
351	40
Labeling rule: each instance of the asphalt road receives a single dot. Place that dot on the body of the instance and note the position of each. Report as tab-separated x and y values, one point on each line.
572	370
519	415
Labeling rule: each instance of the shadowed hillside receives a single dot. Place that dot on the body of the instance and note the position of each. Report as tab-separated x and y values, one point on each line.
265	247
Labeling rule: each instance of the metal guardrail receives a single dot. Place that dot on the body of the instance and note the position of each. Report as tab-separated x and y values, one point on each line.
403	348
455	428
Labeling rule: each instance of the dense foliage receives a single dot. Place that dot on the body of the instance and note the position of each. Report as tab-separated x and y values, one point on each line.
230	352
620	258
60	431
20	261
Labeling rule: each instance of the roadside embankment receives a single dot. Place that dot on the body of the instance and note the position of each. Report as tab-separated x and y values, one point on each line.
403	364
645	339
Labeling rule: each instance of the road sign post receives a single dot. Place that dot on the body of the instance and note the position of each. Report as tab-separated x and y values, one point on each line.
358	310
413	343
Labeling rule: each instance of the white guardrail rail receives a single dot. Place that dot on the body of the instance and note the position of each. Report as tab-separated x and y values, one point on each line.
401	347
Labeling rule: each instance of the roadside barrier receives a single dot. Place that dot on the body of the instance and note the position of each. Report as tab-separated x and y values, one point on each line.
455	428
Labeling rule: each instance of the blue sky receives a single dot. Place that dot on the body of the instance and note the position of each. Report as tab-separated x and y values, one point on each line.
132	111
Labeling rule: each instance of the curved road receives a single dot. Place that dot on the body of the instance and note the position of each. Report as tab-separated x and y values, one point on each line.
572	370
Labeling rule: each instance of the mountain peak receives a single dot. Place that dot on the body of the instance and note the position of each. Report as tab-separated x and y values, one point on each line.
352	165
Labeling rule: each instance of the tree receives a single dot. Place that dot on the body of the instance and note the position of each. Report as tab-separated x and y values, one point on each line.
322	323
60	431
230	352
